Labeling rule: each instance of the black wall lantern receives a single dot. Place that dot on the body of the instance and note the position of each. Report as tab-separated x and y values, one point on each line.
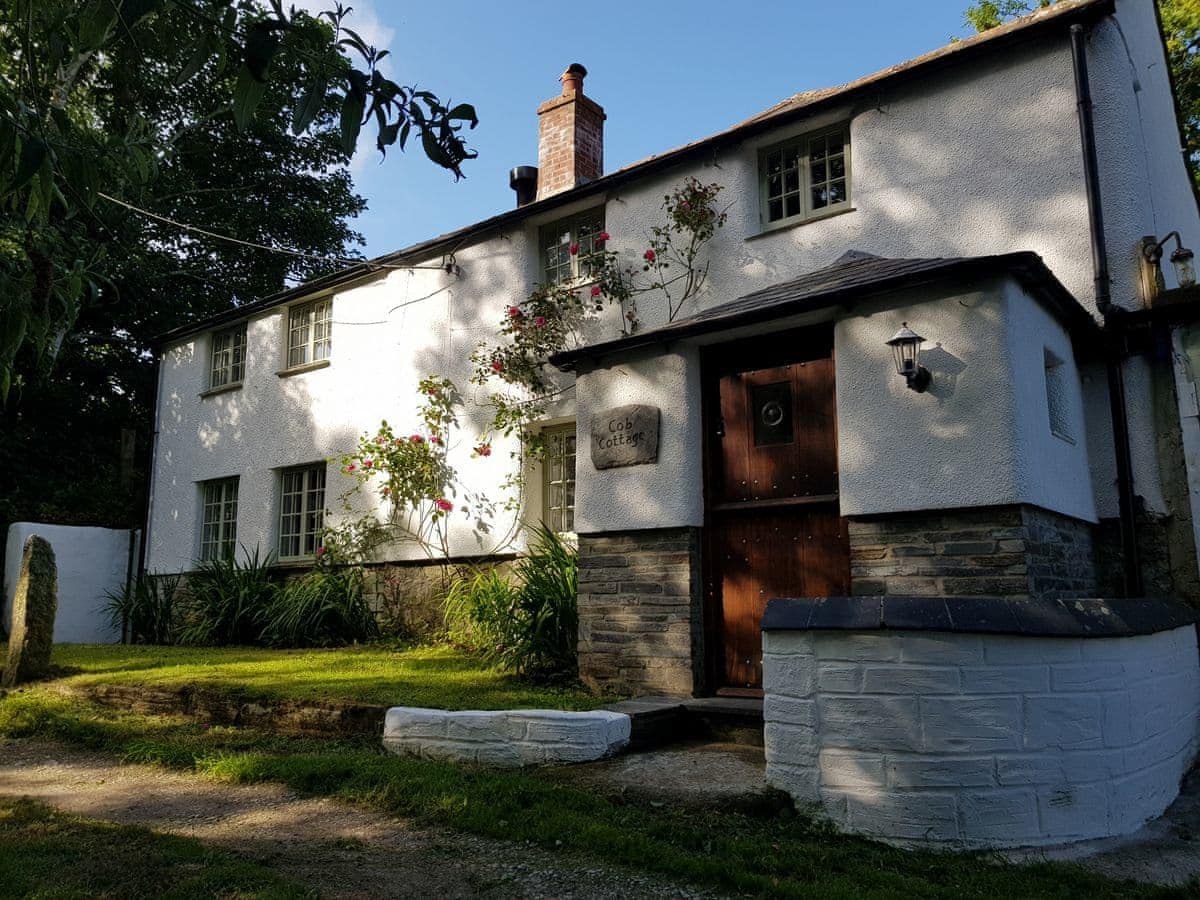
906	348
1182	259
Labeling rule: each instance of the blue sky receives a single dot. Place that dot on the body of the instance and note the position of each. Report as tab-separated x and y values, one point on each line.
666	73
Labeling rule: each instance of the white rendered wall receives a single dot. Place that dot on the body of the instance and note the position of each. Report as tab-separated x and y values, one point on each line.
664	494
91	562
980	435
387	335
981	740
976	159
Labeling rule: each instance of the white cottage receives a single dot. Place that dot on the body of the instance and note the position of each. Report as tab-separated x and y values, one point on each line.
994	195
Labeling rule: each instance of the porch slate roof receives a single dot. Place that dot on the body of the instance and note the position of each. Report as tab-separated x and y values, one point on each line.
851	279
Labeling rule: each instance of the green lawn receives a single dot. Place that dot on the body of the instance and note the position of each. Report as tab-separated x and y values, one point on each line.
44	853
787	856
392	676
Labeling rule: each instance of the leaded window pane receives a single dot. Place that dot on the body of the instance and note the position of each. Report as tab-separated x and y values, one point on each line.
218	525
558	499
228	357
310	333
558	264
301	510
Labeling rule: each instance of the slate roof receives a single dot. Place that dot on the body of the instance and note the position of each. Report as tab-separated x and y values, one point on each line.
1056	17
854	277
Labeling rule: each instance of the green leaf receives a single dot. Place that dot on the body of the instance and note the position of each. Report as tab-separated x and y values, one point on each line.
261	43
200	55
133	11
352	111
309	105
434	150
464	112
404	134
33	154
247	94
387	136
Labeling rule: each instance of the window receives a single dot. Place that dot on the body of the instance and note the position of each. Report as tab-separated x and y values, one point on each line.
228	357
301	510
558	263
558	483
218	524
805	177
309	333
1058	401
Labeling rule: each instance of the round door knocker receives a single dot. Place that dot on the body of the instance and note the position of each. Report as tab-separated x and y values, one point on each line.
772	413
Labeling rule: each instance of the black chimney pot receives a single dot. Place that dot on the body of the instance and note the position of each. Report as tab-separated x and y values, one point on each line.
523	180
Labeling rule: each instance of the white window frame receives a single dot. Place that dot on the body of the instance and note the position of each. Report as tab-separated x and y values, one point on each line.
227	359
556	238
301	510
308	333
218	518
800	147
558	494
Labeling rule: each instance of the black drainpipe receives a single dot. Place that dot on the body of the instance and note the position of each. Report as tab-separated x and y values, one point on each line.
1115	344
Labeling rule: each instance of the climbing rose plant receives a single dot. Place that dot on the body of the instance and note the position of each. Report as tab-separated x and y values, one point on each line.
671	268
411	475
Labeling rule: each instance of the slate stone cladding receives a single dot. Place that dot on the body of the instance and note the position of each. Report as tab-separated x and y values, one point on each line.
640	626
1005	551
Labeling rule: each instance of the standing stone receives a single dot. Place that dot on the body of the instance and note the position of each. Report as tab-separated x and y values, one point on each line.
35	604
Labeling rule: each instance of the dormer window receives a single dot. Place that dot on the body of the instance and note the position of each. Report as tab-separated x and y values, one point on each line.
805	178
559	264
228	363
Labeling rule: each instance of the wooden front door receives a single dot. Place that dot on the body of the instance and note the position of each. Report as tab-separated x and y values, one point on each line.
773	524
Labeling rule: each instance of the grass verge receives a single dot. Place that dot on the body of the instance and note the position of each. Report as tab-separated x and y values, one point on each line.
42	853
787	857
435	676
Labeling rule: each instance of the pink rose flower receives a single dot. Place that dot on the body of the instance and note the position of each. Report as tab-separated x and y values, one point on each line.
350	469
540	321
602	237
435	439
386	491
417	439
444	505
574	249
484	450
595	290
320	551
650	256
497	366
514	312
367	463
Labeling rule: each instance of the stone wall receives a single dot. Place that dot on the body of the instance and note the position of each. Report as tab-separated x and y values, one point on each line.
408	598
1004	551
639	611
981	739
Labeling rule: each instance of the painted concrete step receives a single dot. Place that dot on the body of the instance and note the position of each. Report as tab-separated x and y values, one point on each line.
657	721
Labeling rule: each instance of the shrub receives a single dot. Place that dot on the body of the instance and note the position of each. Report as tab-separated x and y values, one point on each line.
325	608
530	626
477	609
145	611
227	601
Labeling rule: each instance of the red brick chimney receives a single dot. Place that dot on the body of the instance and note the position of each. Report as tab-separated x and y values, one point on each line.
570	137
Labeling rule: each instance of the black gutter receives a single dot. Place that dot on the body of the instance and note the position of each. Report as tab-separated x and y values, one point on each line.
1118	412
869	86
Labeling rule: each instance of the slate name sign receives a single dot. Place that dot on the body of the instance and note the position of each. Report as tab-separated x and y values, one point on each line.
625	436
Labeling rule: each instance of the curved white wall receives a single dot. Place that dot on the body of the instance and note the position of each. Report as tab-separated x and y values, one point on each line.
981	740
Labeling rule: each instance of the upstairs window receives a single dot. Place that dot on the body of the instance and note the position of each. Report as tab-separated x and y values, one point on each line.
558	482
218	525
805	178
228	364
309	333
558	263
301	510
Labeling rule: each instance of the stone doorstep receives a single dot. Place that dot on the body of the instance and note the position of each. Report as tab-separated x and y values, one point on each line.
658	720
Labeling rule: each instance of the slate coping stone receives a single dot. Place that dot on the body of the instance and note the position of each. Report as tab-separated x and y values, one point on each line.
1089	617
